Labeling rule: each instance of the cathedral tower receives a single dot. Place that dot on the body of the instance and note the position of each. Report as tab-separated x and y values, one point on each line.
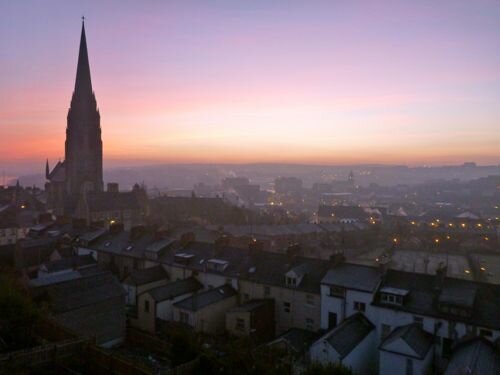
81	171
83	148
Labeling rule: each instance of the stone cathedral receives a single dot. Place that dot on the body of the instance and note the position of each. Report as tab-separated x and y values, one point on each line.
81	171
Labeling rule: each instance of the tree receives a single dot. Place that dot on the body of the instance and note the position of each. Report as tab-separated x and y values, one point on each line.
18	314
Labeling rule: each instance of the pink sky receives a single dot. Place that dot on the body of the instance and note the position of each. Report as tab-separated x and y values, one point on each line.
260	81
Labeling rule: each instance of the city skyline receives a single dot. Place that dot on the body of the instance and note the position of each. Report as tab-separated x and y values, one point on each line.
263	82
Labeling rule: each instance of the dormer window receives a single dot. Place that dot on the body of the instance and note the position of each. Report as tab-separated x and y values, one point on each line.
218	265
393	296
390	298
183	258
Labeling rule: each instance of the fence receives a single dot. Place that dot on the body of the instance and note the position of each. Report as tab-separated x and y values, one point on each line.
101	361
43	354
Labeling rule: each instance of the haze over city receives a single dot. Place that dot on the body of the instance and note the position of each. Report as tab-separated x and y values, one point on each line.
318	82
250	187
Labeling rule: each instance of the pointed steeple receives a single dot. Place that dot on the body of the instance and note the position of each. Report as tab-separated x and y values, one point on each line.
47	170
83	84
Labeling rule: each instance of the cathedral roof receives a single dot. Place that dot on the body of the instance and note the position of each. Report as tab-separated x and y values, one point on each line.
58	174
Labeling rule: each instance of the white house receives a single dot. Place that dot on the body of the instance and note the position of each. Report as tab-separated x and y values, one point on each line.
447	308
346	290
352	344
407	350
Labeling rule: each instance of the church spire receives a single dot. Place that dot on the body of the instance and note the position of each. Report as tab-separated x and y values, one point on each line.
83	84
47	169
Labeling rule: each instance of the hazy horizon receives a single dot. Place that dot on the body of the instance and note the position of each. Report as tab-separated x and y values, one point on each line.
320	83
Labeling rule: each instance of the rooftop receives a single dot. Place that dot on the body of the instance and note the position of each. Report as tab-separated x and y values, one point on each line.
426	293
146	276
418	340
476	356
201	300
174	289
345	337
353	276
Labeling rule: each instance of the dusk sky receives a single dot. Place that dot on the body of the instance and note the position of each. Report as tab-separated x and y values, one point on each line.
330	82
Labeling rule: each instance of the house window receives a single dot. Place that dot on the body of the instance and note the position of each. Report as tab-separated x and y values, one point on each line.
309	299
291	281
287	307
229	281
246	296
359	306
419	320
184	317
385	331
309	324
409	366
485	333
389	298
240	324
337	291
146	306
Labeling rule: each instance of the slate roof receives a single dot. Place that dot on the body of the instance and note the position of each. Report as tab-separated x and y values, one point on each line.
74	262
353	276
476	356
257	266
84	291
415	337
298	339
58	174
425	293
121	243
146	276
112	201
174	289
93	235
204	299
54	279
49	280
458	294
346	336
